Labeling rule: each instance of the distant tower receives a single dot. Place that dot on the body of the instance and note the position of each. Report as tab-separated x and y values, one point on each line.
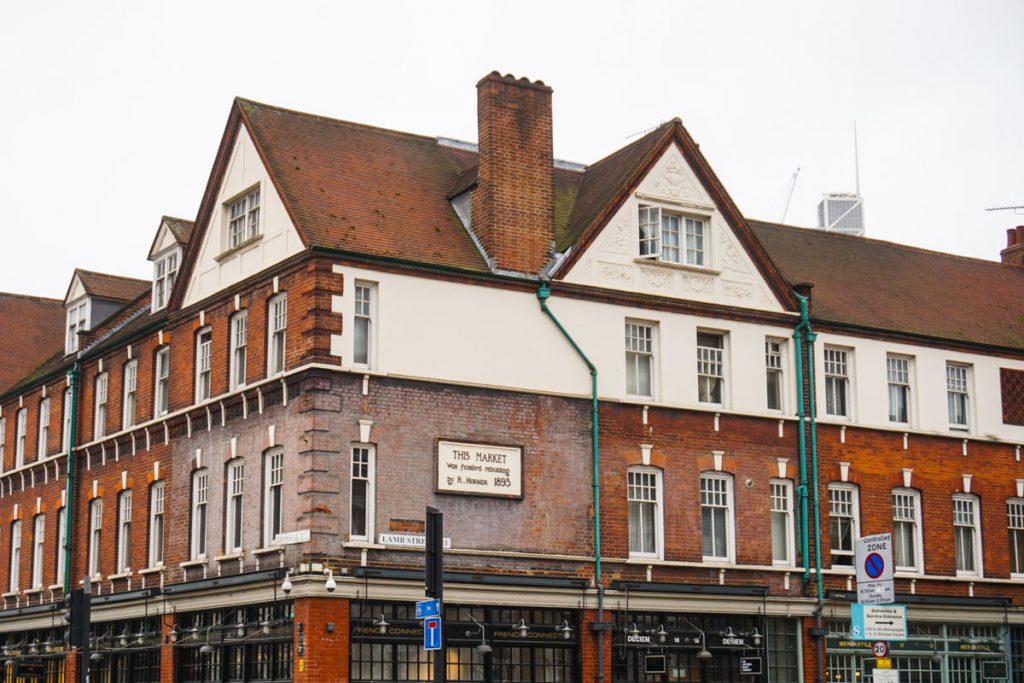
842	212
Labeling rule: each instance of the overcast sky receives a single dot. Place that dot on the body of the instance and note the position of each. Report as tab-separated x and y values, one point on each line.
112	112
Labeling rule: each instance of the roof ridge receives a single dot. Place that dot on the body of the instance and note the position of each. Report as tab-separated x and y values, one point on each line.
331	120
31	296
650	133
881	242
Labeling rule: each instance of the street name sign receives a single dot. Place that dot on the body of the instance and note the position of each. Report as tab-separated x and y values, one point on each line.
878	622
428	608
873	561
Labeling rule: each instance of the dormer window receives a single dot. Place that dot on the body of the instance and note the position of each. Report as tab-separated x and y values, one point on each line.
244	218
78	321
673	237
165	269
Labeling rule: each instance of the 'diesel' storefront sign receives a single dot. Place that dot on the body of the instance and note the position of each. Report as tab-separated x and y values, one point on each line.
479	469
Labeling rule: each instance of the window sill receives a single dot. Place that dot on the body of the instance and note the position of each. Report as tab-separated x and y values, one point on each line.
152	570
55	587
646	260
718	562
270	549
643	559
969	575
198	562
34	591
1016	577
842	569
238	249
907	573
12	594
127	574
363	545
229	557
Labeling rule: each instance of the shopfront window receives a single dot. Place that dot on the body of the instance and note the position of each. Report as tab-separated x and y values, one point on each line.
252	643
526	645
125	651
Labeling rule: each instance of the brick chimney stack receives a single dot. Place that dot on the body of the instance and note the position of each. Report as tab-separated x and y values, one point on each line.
513	205
1013	255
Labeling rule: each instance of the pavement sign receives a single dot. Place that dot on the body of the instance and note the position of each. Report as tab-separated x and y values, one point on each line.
878	622
432	633
873	561
880	649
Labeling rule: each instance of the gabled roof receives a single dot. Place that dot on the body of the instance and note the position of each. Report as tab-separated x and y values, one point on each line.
879	285
109	287
31	330
179	227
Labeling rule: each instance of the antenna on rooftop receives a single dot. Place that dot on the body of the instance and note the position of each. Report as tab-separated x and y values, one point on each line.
856	159
1015	209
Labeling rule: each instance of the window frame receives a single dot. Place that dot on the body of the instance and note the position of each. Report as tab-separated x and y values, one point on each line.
250	225
273	495
657	238
204	364
896	384
14	558
20	437
854	525
976	545
730	516
780	356
165	273
635	353
100	398
789	518
65	421
123	556
706	361
845	381
38	550
1015	533
364	310
76	320
658	512
365	472
43	429
157	523
61	553
129	393
95	555
199	521
239	333
968	372
918	534
234	504
161	381
277	337
3	442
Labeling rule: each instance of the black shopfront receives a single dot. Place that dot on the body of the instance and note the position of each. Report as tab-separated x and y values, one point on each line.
485	644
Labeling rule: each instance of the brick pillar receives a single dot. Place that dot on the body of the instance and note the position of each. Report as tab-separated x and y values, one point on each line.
809	650
324	658
71	667
588	648
167	660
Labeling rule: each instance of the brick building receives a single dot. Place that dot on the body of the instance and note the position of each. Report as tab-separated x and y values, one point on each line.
235	457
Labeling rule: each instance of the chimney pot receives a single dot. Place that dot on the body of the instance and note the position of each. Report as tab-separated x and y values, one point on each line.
1011	237
1013	255
1020	234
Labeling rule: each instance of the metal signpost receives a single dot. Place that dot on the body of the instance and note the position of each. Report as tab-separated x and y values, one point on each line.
433	631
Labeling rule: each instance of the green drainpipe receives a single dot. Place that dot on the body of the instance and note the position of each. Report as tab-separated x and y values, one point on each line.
801	489
543	292
69	487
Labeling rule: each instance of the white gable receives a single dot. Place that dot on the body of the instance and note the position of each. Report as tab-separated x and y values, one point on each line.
613	260
218	267
76	291
163	242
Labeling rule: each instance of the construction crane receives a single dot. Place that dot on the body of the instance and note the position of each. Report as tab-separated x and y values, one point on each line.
789	195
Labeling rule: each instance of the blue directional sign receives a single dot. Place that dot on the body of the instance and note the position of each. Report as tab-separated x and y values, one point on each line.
432	633
428	608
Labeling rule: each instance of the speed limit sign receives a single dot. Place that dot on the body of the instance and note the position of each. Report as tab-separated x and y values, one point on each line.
880	649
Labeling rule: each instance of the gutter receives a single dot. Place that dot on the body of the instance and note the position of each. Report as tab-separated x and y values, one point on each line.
543	293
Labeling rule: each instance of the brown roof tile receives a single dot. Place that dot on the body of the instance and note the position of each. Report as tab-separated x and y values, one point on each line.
364	189
111	287
31	330
179	227
880	285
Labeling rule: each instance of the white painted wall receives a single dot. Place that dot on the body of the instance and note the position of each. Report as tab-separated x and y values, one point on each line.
279	239
450	332
613	262
928	408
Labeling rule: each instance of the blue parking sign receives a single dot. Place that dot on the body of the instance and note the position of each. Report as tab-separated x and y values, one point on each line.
432	633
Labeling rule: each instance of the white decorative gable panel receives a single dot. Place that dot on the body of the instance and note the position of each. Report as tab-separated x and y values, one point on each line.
218	266
76	291
164	241
728	276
